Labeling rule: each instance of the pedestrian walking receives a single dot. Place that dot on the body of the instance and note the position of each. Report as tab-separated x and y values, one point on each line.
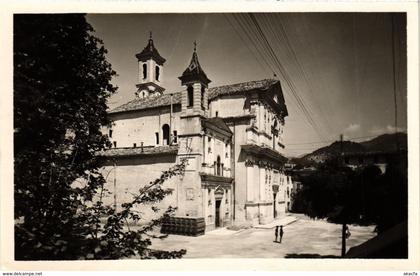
276	234
281	232
348	234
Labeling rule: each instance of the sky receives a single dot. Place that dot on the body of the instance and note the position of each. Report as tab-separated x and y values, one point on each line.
339	66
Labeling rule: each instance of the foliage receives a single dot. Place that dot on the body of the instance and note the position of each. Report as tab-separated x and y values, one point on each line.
326	191
61	87
362	196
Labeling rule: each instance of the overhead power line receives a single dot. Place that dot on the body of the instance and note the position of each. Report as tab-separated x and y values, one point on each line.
262	45
282	38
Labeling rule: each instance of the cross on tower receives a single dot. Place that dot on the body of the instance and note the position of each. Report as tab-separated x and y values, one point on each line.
195	46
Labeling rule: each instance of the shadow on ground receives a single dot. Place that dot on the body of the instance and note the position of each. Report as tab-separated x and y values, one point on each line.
309	256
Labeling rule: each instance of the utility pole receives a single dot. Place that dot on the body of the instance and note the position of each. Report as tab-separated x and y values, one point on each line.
170	123
343	230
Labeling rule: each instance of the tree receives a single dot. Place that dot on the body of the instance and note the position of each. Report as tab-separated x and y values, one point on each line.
329	193
362	196
61	88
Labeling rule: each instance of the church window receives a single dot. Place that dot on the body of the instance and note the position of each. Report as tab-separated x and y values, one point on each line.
144	70
157	69
217	113
218	166
134	145
209	196
110	133
190	94
265	119
202	97
157	138
115	144
175	137
165	131
209	141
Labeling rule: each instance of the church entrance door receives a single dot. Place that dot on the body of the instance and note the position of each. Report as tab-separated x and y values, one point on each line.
217	215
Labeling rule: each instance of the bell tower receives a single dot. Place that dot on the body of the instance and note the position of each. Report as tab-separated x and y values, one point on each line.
194	100
150	67
194	106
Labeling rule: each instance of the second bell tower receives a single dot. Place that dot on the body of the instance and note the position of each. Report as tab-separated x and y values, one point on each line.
150	67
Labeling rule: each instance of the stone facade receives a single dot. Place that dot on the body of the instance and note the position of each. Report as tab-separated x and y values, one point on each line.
231	136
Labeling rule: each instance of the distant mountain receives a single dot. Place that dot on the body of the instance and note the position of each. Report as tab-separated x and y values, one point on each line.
320	155
382	143
387	142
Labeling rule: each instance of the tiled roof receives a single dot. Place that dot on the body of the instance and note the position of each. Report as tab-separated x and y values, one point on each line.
149	102
214	92
238	88
124	152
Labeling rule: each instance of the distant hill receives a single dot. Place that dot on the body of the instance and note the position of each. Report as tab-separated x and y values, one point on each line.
382	143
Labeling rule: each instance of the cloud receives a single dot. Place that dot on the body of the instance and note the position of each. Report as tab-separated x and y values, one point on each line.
352	128
388	129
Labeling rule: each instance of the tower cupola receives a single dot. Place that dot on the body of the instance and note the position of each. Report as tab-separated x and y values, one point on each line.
194	72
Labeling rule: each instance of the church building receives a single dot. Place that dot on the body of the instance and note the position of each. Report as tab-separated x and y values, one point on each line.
231	136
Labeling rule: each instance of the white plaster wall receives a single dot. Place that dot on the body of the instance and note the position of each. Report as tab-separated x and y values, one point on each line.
141	126
130	175
228	106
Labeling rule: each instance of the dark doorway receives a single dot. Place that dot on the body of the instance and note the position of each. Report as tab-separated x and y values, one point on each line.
274	205
217	215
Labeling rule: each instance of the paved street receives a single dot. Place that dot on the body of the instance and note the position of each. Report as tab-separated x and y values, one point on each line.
302	238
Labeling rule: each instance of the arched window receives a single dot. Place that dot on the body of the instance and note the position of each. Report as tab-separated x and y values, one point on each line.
218	166
190	94
157	69
144	70
165	131
274	133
